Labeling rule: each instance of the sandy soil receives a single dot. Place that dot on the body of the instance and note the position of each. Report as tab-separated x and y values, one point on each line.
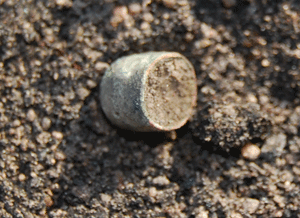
60	157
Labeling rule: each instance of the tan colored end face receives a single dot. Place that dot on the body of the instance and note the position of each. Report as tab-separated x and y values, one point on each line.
170	92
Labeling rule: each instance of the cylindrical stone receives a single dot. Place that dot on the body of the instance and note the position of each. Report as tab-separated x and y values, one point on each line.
153	91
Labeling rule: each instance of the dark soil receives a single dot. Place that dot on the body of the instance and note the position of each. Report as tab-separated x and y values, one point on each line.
60	157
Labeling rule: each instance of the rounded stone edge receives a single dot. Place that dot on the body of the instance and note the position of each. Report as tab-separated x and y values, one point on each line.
165	55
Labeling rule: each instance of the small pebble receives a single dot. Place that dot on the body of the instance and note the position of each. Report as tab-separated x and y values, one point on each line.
152	192
236	215
46	123
64	3
161	181
55	187
189	37
172	135
229	3
250	151
267	18
43	138
22	177
145	26
48	201
135	8
275	144
33	175
12	131
60	156
105	198
83	93
91	84
250	205
57	135
263	99
169	3
252	98
16	123
148	17
280	200
120	13
31	115
262	41
101	66
265	63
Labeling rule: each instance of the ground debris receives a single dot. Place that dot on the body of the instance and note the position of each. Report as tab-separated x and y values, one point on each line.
230	124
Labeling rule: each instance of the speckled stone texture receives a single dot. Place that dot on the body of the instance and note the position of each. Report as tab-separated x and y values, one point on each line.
230	125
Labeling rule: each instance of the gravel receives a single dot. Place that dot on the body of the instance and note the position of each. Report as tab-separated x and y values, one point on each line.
60	157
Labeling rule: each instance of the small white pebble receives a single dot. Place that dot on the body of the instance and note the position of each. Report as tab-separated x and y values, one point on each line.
148	17
263	99
91	84
16	123
101	66
120	13
22	177
252	98
64	3
135	8
277	68
229	3
267	18
145	26
55	76
43	138
31	115
250	151
129	185
262	41
285	7
57	135
152	192
247	32
12	131
33	174
265	63
280	200
161	181
83	93
189	37
256	52
105	198
208	90
52	161
250	205
236	215
46	123
169	3
60	156
55	187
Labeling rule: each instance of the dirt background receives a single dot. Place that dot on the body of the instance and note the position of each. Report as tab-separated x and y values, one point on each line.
61	158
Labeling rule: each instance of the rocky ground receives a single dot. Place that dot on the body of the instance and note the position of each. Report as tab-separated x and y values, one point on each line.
239	155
